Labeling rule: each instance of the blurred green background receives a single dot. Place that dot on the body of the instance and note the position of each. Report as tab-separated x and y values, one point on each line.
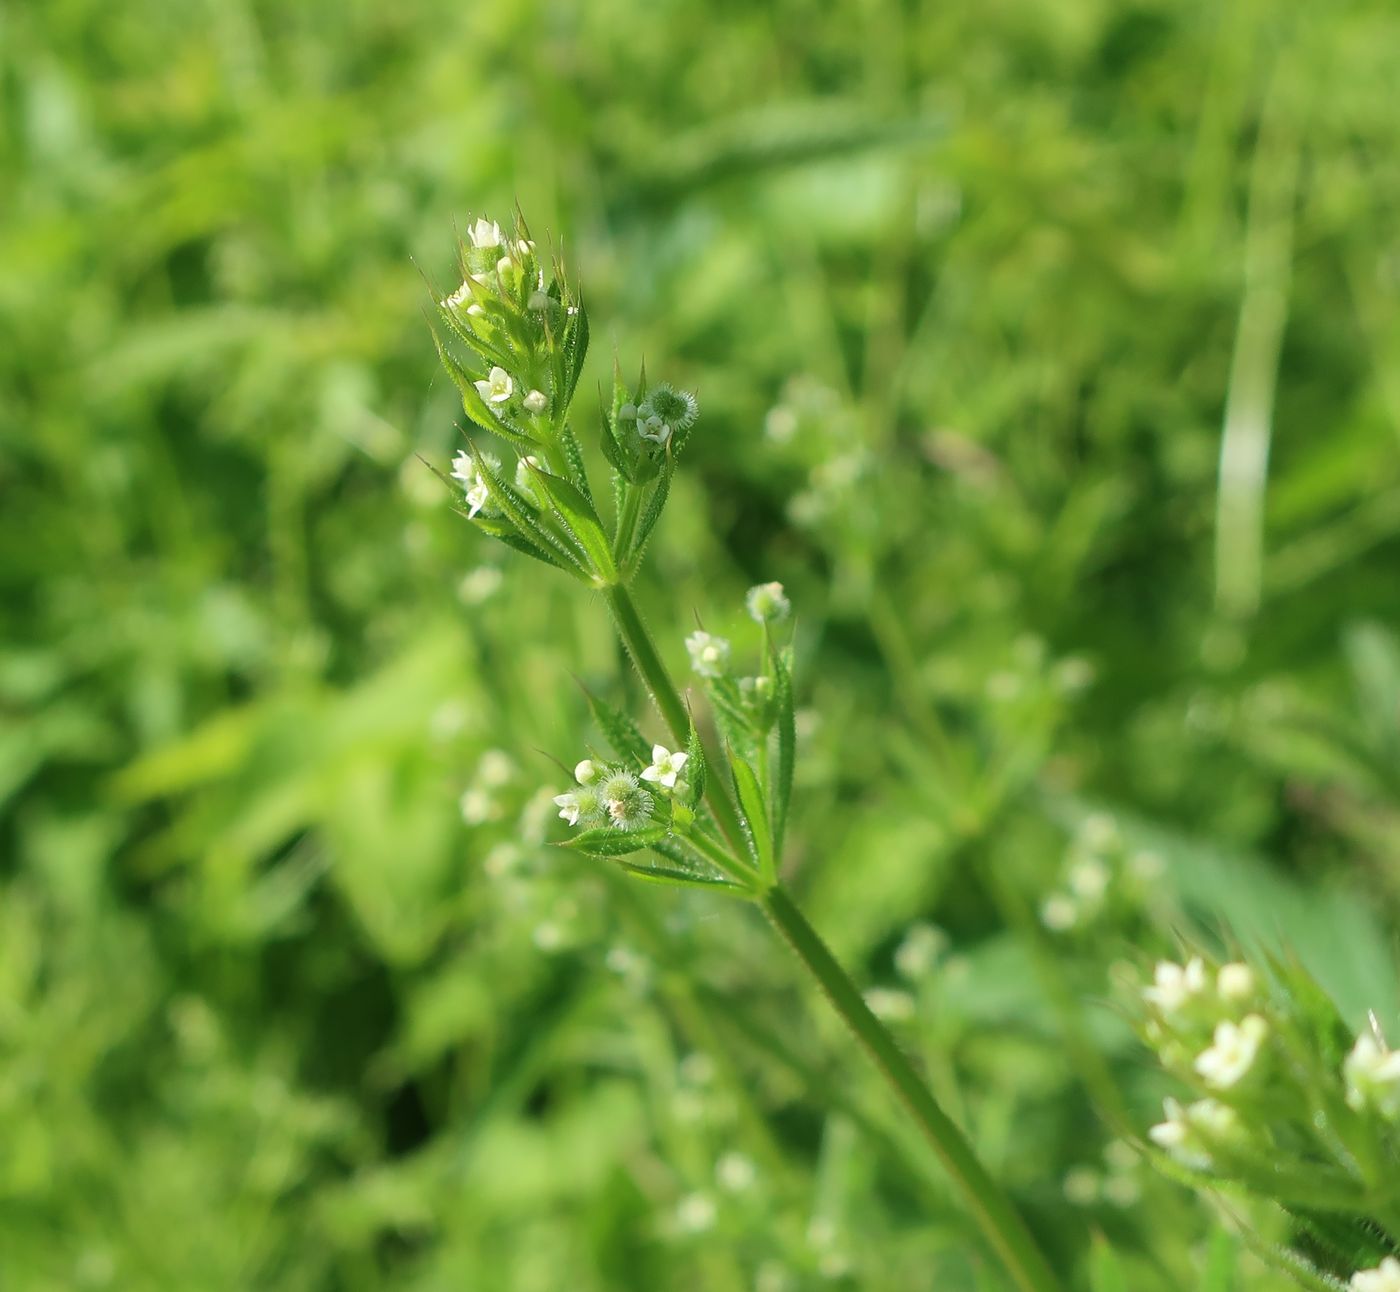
1049	354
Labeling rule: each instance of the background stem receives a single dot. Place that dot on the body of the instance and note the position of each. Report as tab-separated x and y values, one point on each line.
998	1219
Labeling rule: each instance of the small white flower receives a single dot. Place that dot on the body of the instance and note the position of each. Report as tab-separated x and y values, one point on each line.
580	805
536	401
665	766
1235	983
1235	1048
695	1213
735	1172
1384	1278
539	301
1089	878
586	772
485	233
709	655
918	954
654	429
1188	1134
505	265
1372	1074
477	492
1059	912
459	299
1175	986
525	469
525	247
497	387
627	413
767	604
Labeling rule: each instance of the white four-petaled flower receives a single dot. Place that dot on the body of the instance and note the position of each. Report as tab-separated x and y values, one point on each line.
497	388
665	766
1236	1046
1384	1278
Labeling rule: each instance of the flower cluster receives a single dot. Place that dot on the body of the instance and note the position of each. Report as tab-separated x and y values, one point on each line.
1099	875
1290	1104
612	797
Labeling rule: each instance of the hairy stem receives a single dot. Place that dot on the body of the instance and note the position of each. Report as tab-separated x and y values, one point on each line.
993	1211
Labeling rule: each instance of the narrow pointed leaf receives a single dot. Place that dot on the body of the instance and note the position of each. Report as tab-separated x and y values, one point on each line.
781	662
695	768
621	732
607	842
472	403
655	504
680	878
573	454
520	515
581	520
755	815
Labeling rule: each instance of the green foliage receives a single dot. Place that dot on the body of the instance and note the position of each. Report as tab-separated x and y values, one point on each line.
293	991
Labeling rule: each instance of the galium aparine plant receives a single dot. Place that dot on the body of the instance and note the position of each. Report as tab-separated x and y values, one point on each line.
678	807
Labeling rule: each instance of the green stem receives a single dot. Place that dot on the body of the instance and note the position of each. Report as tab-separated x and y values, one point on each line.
999	1221
673	711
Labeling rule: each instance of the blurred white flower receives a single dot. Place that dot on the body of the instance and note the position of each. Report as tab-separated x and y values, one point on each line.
695	1213
709	655
536	401
1175	986
735	1172
767	604
1372	1074
1235	1048
1235	983
586	772
1384	1278
1059	912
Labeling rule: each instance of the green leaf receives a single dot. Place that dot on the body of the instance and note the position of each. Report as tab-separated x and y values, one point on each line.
695	768
680	878
612	449
608	842
755	815
580	519
650	516
575	347
573	454
505	534
520	515
781	663
1105	1270
620	731
472	403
